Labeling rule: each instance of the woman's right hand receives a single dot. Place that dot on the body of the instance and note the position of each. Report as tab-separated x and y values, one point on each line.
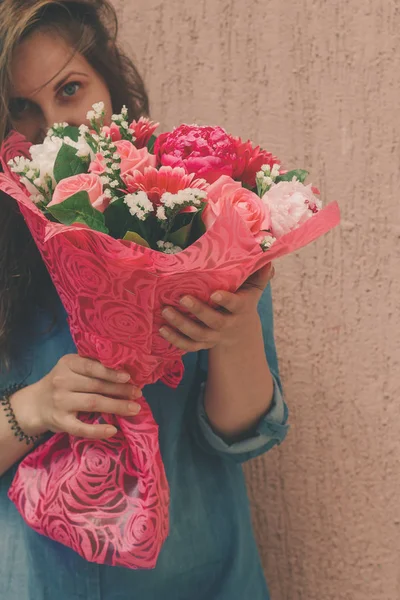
75	385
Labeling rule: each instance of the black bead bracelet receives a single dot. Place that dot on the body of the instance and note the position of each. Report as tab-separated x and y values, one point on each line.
6	404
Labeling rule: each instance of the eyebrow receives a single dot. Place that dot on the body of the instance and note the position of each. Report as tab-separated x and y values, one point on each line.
66	77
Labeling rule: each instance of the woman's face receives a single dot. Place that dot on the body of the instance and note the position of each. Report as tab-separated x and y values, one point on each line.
51	85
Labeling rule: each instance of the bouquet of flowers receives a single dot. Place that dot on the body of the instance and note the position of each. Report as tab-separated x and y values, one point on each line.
127	223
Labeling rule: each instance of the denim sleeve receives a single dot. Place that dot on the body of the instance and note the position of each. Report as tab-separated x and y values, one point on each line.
272	427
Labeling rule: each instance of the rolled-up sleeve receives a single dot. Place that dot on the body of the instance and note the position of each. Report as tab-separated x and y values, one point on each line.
272	427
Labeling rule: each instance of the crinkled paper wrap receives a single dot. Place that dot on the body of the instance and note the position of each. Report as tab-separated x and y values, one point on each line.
108	500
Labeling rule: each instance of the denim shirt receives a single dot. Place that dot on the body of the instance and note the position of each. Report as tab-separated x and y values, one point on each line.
210	552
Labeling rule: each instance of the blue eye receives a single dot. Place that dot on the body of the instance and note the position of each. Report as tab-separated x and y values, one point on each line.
70	89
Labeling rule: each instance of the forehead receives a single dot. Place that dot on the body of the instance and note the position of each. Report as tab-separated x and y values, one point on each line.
38	59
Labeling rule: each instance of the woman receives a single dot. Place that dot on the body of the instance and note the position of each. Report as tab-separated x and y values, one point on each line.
57	59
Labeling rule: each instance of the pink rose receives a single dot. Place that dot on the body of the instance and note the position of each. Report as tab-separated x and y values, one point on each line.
98	165
89	183
134	159
209	152
250	207
143	129
290	204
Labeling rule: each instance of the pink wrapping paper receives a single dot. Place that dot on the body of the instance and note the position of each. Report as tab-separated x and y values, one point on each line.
108	500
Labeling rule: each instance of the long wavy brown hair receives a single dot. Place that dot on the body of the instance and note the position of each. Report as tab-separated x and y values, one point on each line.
91	27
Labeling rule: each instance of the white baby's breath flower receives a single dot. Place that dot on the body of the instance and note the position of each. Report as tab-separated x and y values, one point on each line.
36	198
91	115
116	167
139	205
266	169
275	171
161	213
83	129
125	124
105	180
19	164
98	108
190	196
267	242
168	247
114	184
107	193
124	111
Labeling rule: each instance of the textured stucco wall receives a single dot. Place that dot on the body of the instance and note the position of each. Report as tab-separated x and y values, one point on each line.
318	83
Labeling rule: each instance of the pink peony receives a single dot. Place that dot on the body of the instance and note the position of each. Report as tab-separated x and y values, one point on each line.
156	182
143	130
209	152
290	204
89	183
249	162
250	207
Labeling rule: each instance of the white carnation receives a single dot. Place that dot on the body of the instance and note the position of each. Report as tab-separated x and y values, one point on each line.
44	156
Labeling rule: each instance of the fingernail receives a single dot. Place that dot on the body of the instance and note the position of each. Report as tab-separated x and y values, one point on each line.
136	393
168	312
216	297
163	331
111	431
134	408
123	377
186	301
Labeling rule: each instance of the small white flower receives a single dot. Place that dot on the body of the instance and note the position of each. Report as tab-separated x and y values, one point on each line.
116	156
105	180
36	198
38	182
98	108
117	118
266	169
83	129
107	193
267	242
168	247
268	181
115	167
114	184
109	171
124	111
139	205
125	124
161	213
19	164
91	116
275	172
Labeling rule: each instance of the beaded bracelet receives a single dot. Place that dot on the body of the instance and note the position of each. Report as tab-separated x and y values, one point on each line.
6	404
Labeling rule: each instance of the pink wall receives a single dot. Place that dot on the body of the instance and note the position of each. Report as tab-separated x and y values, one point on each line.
317	82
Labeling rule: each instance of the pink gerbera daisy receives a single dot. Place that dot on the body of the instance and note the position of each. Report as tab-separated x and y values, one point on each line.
167	179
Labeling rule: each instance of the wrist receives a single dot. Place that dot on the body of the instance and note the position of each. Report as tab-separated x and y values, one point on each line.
25	404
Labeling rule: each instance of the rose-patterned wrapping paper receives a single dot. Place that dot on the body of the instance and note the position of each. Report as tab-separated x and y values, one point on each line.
108	500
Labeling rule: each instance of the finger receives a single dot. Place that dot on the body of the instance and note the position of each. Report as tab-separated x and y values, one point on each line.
233	303
75	427
94	369
212	318
195	331
182	342
260	279
101	404
80	383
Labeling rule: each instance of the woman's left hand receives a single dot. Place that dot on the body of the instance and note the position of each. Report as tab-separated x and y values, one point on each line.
224	326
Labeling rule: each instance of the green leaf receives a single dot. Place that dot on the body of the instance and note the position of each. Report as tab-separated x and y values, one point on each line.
118	218
181	236
68	163
150	144
78	209
71	132
132	236
299	173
